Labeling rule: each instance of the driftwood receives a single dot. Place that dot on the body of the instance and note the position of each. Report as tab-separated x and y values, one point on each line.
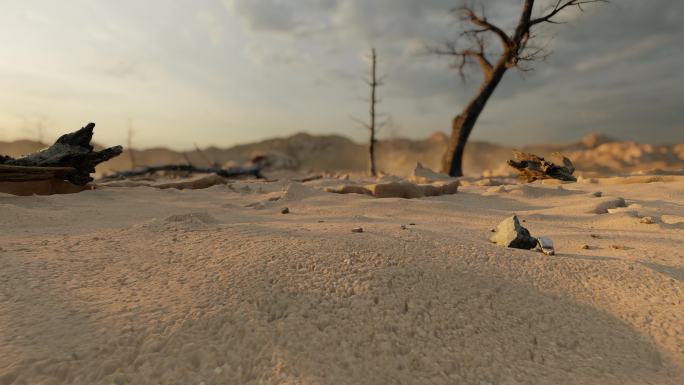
26	174
223	172
532	167
72	151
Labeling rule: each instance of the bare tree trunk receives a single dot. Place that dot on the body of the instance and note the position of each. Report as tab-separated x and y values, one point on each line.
463	124
373	101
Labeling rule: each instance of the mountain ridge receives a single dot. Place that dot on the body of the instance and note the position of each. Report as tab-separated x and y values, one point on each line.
594	154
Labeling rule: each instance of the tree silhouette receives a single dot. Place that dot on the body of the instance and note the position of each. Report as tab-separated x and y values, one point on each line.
373	125
517	49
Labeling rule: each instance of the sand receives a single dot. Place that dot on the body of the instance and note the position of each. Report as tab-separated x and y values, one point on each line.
136	285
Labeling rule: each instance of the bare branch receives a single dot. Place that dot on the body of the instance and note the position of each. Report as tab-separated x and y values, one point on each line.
560	6
486	26
360	122
461	57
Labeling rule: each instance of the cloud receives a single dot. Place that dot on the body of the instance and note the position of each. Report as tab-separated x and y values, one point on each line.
280	16
266	15
642	47
619	45
276	65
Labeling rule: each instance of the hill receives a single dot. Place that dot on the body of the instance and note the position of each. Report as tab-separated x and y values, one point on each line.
593	155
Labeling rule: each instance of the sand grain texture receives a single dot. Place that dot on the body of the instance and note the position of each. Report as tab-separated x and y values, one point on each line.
146	286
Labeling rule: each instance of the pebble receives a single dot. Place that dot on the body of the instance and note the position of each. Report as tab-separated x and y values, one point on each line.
357	230
586	247
403	227
598	194
285	210
647	220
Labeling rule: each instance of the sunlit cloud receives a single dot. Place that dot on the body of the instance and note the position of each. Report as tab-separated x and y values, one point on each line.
232	71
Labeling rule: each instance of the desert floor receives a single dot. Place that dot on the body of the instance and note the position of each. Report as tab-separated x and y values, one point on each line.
216	286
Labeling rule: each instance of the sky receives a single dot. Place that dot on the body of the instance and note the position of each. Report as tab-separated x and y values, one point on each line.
213	72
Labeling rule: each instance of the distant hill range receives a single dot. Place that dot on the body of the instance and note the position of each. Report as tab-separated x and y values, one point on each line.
593	155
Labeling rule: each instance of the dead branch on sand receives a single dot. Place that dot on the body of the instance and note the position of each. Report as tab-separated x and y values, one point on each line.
231	172
532	167
72	154
26	174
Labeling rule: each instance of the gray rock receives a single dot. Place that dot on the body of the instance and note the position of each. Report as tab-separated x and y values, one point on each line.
546	246
510	233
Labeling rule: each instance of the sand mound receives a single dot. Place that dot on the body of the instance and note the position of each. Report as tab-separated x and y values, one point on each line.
406	190
673	220
423	175
536	192
185	221
209	291
298	191
605	204
200	217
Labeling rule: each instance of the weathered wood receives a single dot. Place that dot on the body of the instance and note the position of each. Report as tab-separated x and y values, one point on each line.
532	167
25	174
232	172
70	150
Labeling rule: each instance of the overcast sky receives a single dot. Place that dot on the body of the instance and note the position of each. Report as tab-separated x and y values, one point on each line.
217	72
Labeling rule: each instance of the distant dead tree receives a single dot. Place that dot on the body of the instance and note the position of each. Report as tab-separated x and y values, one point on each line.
37	124
204	156
471	48
373	125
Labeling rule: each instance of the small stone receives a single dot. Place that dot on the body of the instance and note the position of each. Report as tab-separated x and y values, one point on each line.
595	236
647	220
403	227
285	210
597	194
586	247
357	230
510	233
546	245
618	247
412	224
321	221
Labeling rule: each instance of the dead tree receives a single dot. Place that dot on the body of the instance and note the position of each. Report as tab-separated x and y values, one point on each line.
516	50
373	84
72	152
373	125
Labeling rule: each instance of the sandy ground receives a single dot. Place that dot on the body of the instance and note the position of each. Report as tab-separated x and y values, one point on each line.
216	286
